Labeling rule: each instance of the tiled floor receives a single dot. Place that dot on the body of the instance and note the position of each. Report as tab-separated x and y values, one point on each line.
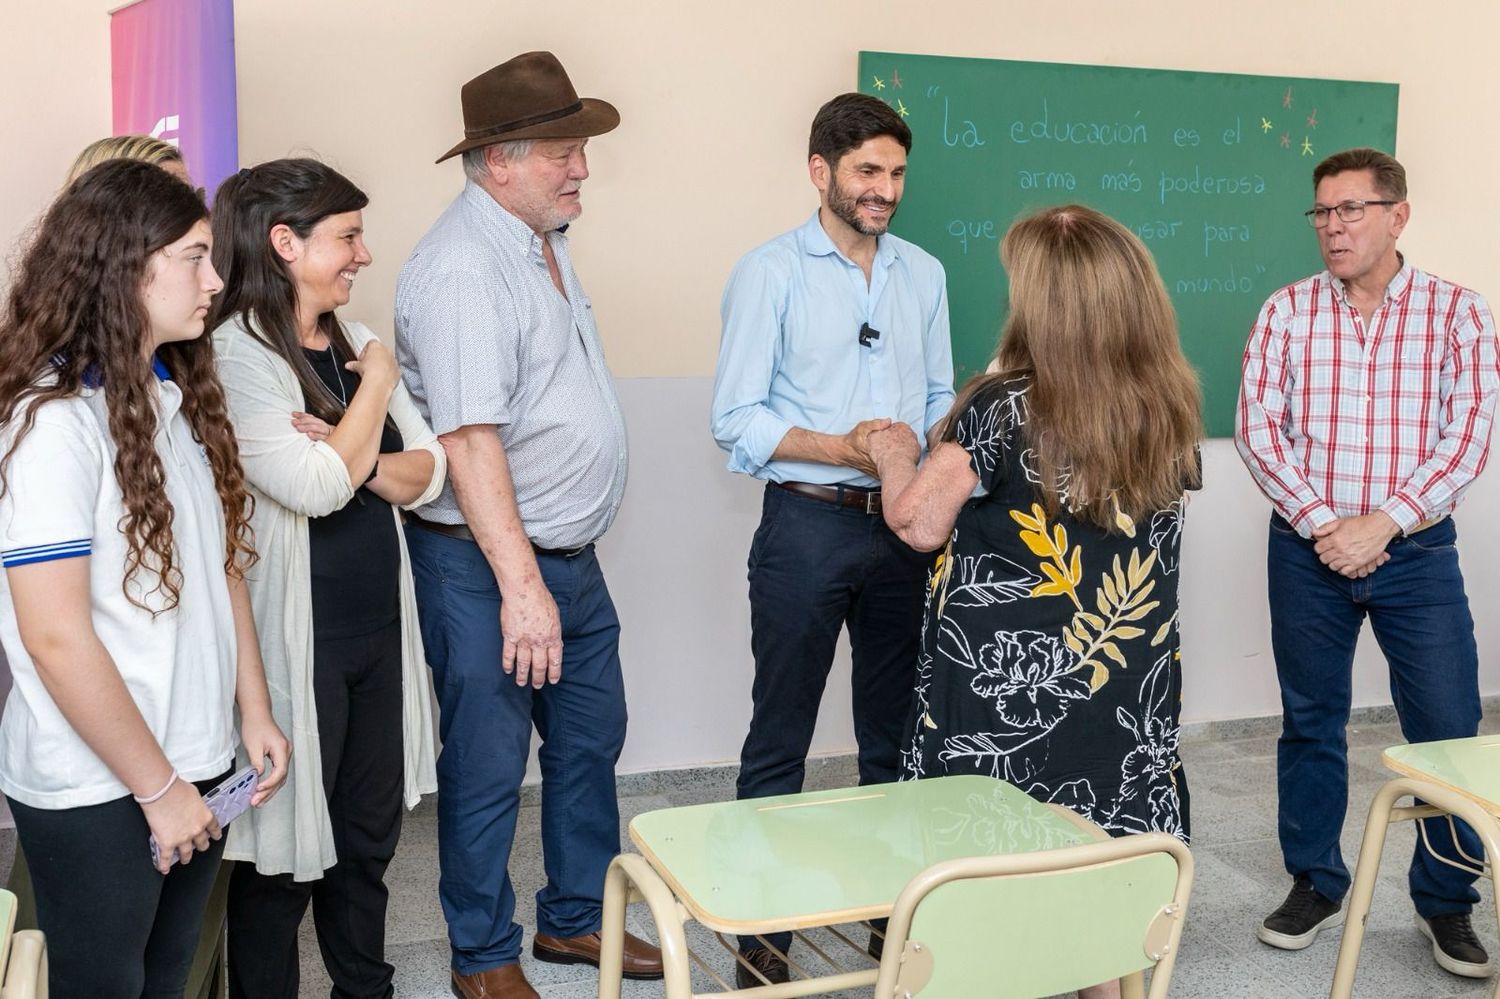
1239	880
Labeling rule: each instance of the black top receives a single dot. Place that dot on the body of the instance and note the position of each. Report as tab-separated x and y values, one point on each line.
354	552
1050	649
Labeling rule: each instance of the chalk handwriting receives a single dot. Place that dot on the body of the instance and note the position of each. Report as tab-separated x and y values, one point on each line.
1223	234
1198	184
964	230
1131	132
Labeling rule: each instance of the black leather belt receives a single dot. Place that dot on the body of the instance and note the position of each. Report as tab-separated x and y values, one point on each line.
853	497
462	533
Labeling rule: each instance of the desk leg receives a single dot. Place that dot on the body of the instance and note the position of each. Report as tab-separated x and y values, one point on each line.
1133	986
1483	823
1365	872
624	871
612	931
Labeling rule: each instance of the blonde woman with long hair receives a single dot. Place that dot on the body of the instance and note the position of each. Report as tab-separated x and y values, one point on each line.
1050	645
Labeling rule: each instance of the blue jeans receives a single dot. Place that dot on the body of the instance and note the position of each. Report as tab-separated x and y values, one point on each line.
816	568
1420	617
485	727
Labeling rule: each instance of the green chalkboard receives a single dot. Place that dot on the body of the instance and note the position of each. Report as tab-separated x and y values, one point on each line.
1213	171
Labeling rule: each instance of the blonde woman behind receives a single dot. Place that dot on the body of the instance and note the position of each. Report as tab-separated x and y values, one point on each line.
1050	644
130	147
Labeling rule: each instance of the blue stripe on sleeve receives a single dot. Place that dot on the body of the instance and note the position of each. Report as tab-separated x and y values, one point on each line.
46	553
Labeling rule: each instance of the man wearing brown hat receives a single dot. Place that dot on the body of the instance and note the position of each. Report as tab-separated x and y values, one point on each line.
498	346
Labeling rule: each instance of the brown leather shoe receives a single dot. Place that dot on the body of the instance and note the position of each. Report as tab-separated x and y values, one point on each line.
642	961
504	982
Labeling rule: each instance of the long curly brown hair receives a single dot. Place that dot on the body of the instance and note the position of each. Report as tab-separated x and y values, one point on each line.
75	319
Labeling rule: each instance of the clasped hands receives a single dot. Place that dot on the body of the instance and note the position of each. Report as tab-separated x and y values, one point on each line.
872	442
1355	546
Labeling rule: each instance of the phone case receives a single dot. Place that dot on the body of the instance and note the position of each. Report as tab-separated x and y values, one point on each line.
227	801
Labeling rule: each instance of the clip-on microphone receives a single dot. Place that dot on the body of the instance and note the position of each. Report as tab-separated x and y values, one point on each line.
866	334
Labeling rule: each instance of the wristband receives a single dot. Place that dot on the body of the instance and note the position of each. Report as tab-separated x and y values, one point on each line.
164	789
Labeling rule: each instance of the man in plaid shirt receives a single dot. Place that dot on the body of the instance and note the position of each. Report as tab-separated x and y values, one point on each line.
1364	413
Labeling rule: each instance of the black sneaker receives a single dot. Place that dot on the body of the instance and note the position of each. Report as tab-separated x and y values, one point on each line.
765	962
1295	924
1454	946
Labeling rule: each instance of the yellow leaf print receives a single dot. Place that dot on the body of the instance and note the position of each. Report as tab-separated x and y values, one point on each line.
1038	543
1033	522
1100	677
941	571
1063	573
1122	519
1121	598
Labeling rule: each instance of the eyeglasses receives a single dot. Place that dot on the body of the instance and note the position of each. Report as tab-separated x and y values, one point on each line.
1347	211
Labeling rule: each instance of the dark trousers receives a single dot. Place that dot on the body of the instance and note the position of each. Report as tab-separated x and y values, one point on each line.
357	686
115	927
1420	616
815	569
486	722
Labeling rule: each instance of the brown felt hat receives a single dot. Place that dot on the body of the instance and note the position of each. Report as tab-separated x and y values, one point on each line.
529	97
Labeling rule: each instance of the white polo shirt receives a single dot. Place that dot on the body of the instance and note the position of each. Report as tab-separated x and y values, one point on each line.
63	501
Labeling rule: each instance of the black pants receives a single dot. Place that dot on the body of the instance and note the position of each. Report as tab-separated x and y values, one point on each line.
115	927
357	684
815	569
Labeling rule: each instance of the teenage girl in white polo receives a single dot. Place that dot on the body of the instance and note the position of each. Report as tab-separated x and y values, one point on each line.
123	533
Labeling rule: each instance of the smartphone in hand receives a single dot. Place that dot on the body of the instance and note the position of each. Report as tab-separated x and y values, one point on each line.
227	801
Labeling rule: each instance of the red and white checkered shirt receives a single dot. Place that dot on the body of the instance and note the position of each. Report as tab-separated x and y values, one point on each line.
1335	421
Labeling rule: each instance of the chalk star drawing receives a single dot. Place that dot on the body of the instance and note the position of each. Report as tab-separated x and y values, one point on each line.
1286	140
1265	125
879	83
901	108
1306	146
895	79
1286	98
1312	119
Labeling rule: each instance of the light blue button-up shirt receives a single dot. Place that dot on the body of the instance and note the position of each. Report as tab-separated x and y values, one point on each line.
484	337
791	357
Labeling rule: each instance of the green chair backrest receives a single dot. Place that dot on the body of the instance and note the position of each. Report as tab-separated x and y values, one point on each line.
1039	934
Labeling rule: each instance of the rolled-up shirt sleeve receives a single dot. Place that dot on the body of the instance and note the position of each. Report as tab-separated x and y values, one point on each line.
465	335
741	418
1259	427
938	354
1469	382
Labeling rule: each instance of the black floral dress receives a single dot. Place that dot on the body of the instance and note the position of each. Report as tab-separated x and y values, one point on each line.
1050	648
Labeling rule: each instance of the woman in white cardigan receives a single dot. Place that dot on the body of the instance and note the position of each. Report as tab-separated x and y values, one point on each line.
332	448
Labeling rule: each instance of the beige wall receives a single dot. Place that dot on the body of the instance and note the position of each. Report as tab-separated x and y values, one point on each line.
54	100
716	98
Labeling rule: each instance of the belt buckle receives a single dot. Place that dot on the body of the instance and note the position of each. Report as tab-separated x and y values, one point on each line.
872	502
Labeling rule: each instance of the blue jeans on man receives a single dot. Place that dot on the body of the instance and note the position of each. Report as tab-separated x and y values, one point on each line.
485	727
1420	616
816	568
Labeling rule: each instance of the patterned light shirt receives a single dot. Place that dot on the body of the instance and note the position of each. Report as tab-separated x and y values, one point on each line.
484	337
1339	421
791	354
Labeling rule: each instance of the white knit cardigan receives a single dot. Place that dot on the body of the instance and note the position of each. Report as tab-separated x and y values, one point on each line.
293	478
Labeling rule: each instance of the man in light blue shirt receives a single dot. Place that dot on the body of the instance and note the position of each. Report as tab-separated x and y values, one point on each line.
832	332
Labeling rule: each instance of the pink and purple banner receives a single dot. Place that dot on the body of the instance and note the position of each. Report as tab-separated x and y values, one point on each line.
173	76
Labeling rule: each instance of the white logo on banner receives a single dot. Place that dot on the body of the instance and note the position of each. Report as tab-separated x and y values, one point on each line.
166	129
